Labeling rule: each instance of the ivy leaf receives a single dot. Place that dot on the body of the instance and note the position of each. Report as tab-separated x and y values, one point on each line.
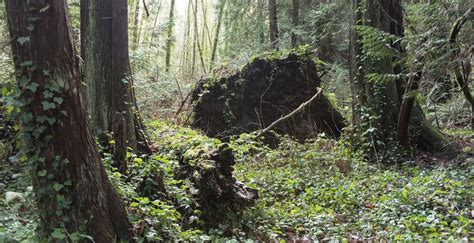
48	105
57	187
30	27
46	72
38	131
58	234
43	119
47	94
23	40
42	173
26	63
58	100
26	117
33	86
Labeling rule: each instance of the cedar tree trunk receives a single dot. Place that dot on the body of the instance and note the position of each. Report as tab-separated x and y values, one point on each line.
71	184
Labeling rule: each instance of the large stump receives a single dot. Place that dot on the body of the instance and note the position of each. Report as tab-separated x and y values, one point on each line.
204	165
261	93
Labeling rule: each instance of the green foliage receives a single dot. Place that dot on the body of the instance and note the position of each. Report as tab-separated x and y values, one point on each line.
18	218
316	190
376	43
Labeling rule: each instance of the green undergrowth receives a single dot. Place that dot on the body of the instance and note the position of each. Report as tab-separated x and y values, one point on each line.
18	219
319	191
316	191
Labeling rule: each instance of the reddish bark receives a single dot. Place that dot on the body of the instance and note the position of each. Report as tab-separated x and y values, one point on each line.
50	49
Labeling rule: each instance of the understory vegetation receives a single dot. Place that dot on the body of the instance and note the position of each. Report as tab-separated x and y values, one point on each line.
317	191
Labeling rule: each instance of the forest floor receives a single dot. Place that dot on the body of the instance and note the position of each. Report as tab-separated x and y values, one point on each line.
316	190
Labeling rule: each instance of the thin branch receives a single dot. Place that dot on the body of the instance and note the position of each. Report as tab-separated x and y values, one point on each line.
299	109
146	8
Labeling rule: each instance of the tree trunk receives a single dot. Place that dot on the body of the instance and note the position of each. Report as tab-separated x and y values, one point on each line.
218	29
196	36
169	40
71	185
378	104
355	74
261	19
107	66
406	106
462	71
295	19
273	19
136	25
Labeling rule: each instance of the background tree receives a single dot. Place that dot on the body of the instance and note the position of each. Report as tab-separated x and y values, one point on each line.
107	68
295	19
218	30
378	86
71	185
273	20
169	40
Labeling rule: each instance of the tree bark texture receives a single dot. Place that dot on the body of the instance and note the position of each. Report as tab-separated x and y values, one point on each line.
65	151
107	65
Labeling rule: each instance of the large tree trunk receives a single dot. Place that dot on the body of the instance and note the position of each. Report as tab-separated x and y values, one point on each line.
107	66
273	20
71	184
377	104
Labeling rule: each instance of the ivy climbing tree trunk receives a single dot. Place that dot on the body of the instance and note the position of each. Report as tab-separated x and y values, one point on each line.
71	185
273	20
377	104
107	69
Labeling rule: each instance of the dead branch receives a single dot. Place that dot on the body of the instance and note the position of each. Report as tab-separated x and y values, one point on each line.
299	109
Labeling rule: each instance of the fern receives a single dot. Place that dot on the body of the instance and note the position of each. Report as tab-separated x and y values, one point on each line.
376	43
382	78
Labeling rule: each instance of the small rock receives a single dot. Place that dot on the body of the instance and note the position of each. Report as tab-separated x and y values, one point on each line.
2	187
14	197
